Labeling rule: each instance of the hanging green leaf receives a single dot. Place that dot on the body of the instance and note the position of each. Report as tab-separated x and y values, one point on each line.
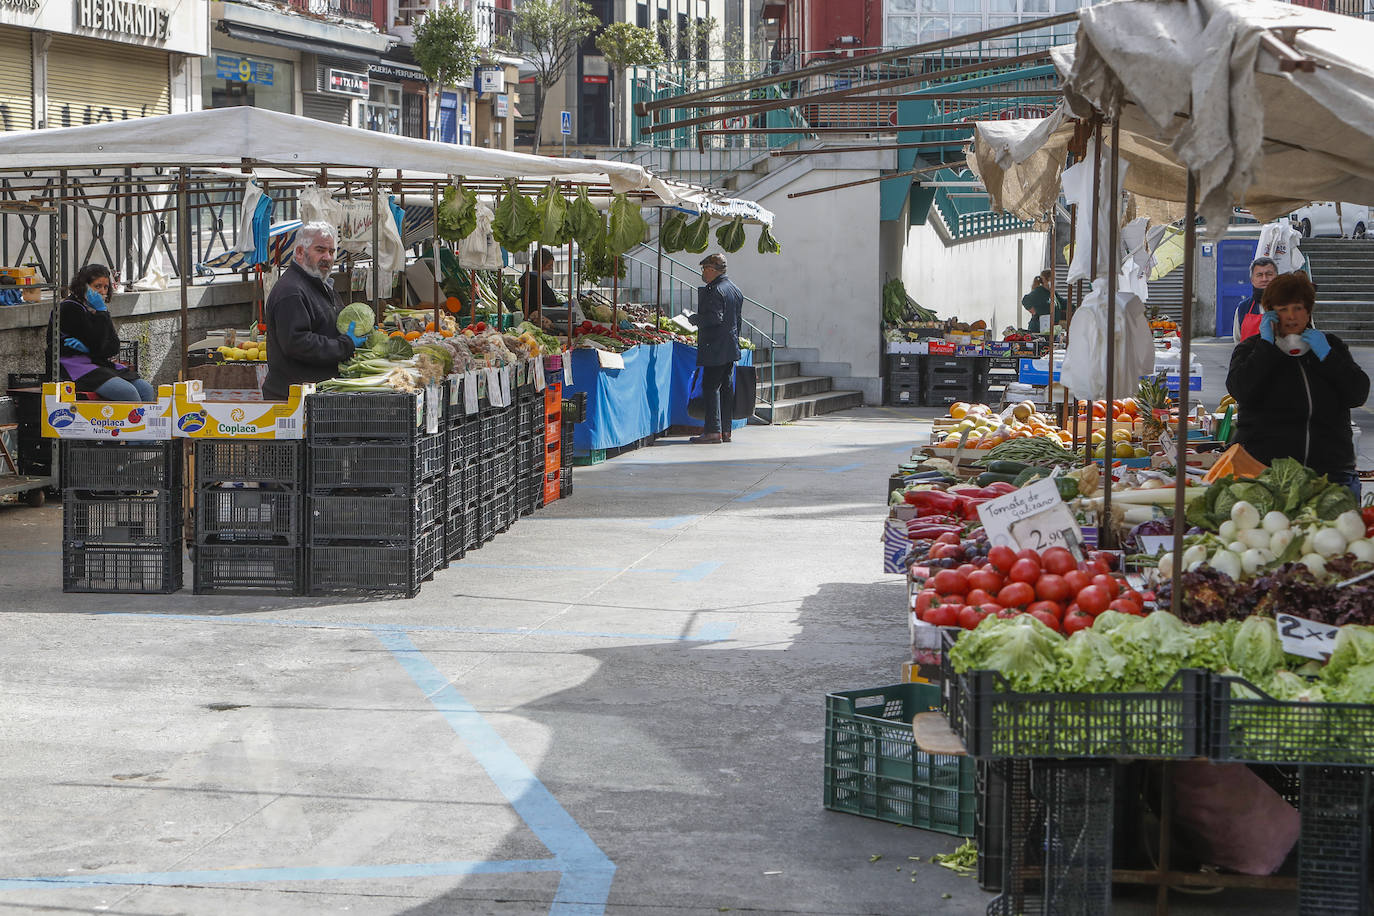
515	223
584	220
553	214
768	244
627	226
731	235
672	232
697	235
456	217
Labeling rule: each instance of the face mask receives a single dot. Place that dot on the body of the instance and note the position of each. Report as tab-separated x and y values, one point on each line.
1292	344
95	300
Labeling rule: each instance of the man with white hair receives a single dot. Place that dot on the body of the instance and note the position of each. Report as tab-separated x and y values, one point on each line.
303	339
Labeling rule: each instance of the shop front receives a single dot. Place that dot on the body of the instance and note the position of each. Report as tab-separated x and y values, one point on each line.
228	78
396	99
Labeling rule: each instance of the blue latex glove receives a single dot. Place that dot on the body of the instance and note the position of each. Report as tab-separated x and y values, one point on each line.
1268	323
95	300
358	339
74	344
1317	341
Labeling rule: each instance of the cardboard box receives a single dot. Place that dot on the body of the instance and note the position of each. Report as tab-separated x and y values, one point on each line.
67	417
198	414
940	348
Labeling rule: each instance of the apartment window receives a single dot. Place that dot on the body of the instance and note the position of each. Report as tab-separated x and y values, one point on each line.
383	108
642	16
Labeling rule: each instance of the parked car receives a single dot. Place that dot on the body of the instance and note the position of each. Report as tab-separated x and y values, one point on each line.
1320	219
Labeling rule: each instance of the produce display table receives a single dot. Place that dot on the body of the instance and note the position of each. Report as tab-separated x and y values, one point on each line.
644	398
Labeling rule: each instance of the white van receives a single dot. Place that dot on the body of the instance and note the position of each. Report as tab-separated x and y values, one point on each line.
1321	219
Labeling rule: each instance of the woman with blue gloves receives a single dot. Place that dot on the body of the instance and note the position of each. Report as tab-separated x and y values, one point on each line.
1295	386
90	343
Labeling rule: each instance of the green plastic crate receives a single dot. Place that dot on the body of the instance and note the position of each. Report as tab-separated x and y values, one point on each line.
873	768
595	456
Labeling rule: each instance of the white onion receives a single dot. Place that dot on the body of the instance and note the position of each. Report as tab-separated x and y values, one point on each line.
1166	564
1238	547
1315	563
1363	549
1227	531
1279	541
1350	525
1224	561
1193	556
1255	537
1245	515
1328	542
1274	521
1254	558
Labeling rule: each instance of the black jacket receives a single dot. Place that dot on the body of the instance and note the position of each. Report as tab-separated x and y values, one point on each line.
1296	406
97	331
303	342
536	295
718	321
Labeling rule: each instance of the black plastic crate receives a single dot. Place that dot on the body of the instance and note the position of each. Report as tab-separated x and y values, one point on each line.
98	464
235	514
951	382
903	362
997	722
944	398
565	485
462	488
458	533
393	570
366	415
376	516
1058	842
1249	726
93	517
252	568
464	443
376	464
938	364
904	390
997	793
262	461
1334	869
486	521
455	405
121	568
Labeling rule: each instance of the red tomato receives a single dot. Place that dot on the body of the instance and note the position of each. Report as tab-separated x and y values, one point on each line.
1027	554
970	616
1094	567
988	579
979	596
1131	594
1050	587
966	568
1077	619
1125	607
1093	599
1009	612
944	551
1002	557
925	598
1105	556
1058	560
1077	580
950	582
1110	583
944	615
1016	594
1052	606
1047	619
949	537
1024	570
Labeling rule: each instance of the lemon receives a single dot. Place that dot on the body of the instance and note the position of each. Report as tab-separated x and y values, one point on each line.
1125	450
1141	452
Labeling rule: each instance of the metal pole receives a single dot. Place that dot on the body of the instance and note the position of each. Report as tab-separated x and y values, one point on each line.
1069	297
183	258
1105	535
1054	238
376	273
658	277
571	299
615	294
1184	371
1092	261
436	261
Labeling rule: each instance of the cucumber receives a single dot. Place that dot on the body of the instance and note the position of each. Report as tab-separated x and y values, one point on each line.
988	477
1003	466
1030	474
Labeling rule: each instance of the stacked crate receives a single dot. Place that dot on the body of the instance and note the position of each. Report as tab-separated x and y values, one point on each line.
947	379
529	480
249	530
378	488
553	442
121	516
464	434
1001	372
904	380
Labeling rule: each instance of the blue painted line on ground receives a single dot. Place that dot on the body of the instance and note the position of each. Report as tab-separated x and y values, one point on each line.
587	872
715	632
758	494
32	553
261	875
843	468
677	521
636	488
696	573
700	636
678	573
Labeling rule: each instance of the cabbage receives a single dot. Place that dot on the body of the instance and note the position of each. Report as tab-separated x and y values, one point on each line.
377	340
1256	651
358	314
396	348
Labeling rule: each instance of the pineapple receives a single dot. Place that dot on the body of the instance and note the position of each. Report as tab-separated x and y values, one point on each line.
1152	396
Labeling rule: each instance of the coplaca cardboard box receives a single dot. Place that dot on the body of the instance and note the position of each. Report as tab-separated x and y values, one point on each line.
66	416
201	414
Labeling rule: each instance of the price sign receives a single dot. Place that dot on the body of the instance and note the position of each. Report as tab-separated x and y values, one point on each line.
470	393
1034	516
432	394
1304	637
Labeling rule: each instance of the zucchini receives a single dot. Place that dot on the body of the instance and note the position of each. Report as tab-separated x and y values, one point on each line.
1028	475
1003	466
988	477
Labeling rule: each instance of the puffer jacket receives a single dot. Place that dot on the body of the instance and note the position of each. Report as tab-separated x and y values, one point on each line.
303	341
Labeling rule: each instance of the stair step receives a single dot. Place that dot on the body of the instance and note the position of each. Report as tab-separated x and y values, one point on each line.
814	405
782	369
797	386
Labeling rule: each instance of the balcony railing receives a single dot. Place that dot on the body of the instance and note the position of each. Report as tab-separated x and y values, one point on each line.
495	25
358	10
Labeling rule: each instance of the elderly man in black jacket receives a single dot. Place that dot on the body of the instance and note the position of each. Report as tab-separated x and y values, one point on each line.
303	339
718	321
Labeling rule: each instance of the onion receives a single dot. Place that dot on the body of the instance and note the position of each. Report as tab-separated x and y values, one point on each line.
1227	531
1224	561
1238	547
1166	564
1245	515
1314	563
1363	549
1350	525
1255	538
1275	521
1279	541
1329	542
1194	556
1254	558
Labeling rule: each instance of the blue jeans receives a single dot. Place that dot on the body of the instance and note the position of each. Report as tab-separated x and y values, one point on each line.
1346	479
117	389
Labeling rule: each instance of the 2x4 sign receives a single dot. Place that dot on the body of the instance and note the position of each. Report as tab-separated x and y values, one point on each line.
348	83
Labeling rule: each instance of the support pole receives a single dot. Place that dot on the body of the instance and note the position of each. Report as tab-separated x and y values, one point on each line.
1070	300
1054	236
615	294
376	252
658	277
1105	535
1184	373
1092	264
436	261
183	257
571	299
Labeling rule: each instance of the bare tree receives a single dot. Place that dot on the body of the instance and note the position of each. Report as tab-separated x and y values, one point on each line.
547	33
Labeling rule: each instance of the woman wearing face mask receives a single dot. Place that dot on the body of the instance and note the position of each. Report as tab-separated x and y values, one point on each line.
1295	386
90	344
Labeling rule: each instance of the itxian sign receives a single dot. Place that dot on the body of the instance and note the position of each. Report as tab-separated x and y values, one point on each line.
125	17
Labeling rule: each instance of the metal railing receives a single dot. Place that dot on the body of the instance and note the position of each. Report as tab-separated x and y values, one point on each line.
673	79
765	328
494	24
359	10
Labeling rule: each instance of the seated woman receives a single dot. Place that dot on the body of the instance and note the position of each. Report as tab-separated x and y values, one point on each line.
90	344
1295	386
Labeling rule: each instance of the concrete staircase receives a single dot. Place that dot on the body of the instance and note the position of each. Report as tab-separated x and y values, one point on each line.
798	395
1343	270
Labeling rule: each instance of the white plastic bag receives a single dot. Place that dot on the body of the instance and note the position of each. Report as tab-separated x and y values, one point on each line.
480	250
317	204
1279	241
355	233
1085	361
1077	182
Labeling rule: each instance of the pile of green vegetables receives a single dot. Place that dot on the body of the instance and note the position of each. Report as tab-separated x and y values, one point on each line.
1285	486
386	362
678	234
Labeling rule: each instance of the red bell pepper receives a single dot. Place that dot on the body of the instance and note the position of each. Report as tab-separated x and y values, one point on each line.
935	499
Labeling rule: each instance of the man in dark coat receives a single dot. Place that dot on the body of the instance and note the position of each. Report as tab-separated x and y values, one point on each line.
718	322
303	340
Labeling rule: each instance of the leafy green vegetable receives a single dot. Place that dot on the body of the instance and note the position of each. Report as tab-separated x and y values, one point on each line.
515	223
731	236
768	244
1354	648
359	315
672	231
584	220
627	226
697	235
1288	479
1250	491
396	348
553	213
1255	652
377	339
1355	686
1022	649
1089	663
456	217
1333	501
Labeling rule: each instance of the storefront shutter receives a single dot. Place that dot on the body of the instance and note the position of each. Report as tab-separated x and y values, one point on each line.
94	81
16	80
331	108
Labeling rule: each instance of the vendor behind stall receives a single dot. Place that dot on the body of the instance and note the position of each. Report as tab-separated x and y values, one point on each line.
303	340
536	293
90	343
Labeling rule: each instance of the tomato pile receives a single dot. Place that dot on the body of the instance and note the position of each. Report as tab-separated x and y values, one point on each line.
1060	592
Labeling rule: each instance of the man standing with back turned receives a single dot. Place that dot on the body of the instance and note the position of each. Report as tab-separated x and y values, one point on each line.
718	321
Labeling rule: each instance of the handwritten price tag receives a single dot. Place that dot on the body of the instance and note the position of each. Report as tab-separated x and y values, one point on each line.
1034	516
1304	637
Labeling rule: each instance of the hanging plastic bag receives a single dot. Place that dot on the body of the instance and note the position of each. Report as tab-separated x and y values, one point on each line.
355	233
480	250
318	204
1085	361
